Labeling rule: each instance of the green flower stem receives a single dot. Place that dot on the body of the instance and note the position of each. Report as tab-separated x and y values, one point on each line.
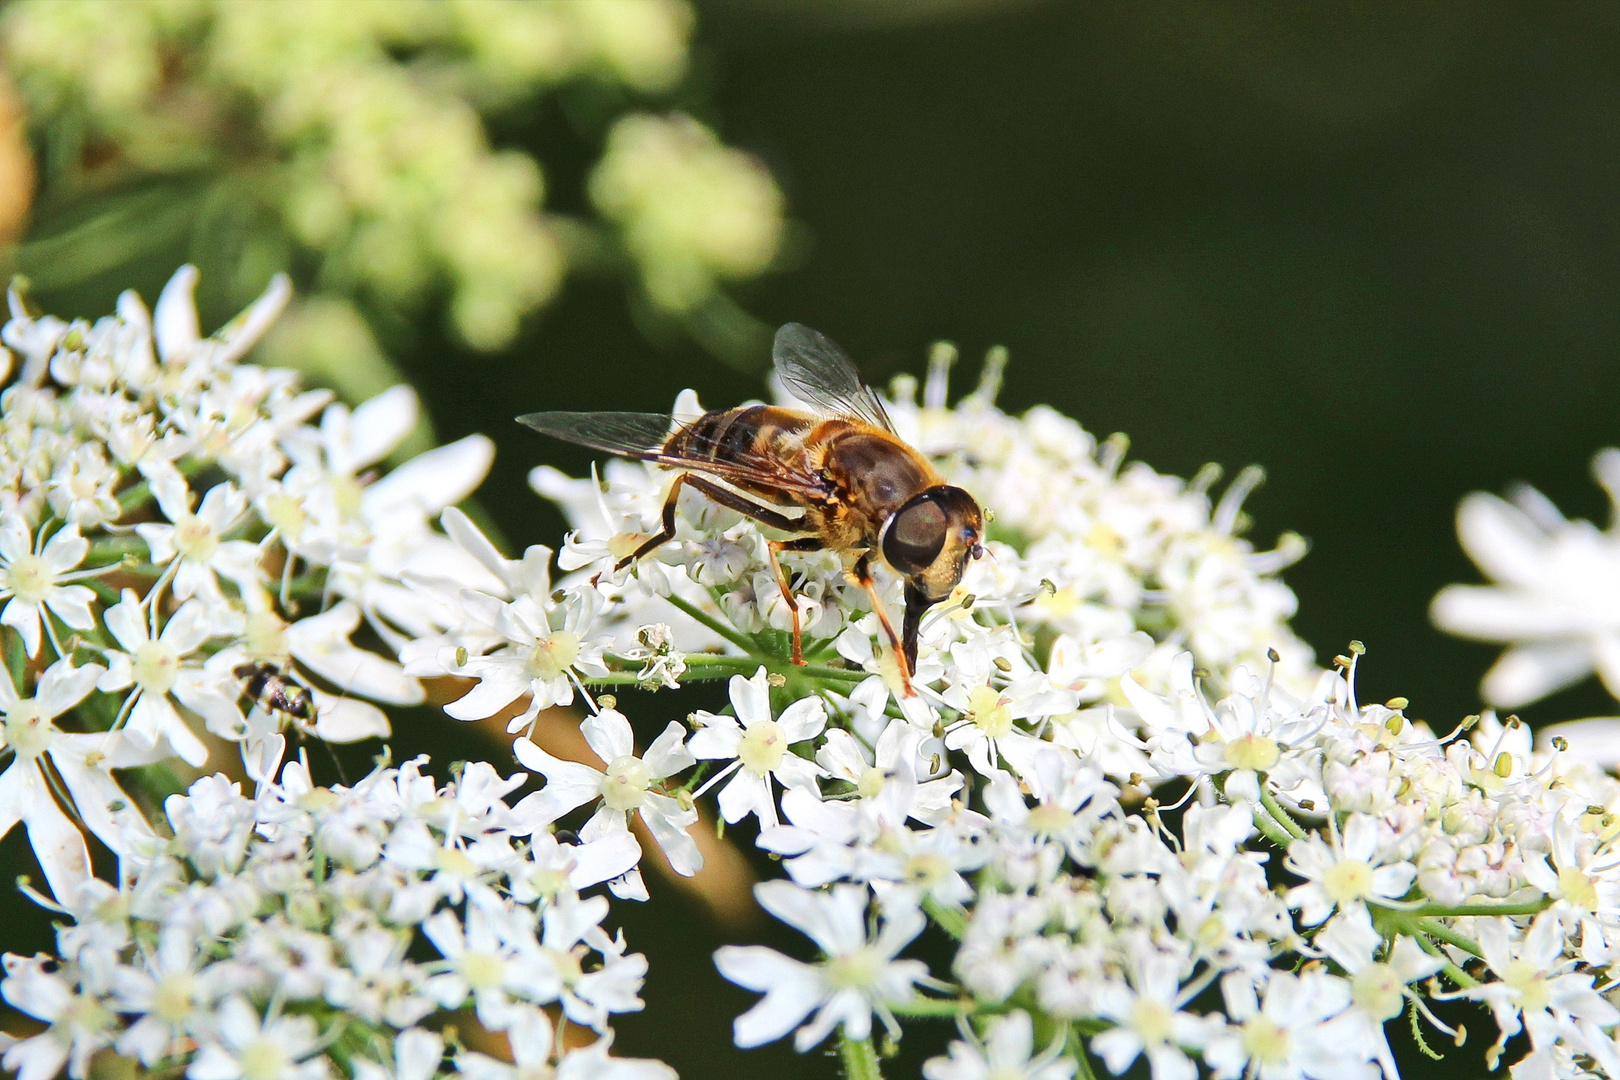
1441	911
1391	922
1272	831
17	661
1077	1053
921	1006
1283	818
633	678
818	671
860	1059
1457	975
700	660
135	496
952	920
729	633
107	550
1446	934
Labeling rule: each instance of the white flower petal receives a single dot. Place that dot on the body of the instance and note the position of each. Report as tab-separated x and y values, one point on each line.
174	319
1596	740
57	843
609	735
432	481
668	754
1501	539
346	720
791	989
379	424
1528	673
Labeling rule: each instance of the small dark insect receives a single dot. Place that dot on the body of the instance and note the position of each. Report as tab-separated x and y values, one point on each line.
860	489
275	691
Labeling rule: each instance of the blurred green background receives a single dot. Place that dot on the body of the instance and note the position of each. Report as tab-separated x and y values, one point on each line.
1374	247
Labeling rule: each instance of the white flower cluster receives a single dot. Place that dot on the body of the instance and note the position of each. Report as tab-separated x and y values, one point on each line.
1122	645
1153	828
280	937
177	528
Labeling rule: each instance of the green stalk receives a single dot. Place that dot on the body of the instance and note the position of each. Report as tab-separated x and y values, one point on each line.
1457	975
728	632
110	549
1448	935
952	920
16	661
818	671
1441	911
1271	830
860	1059
1077	1053
1283	818
922	1006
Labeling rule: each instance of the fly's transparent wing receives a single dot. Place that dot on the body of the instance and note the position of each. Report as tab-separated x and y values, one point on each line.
643	436
631	434
817	372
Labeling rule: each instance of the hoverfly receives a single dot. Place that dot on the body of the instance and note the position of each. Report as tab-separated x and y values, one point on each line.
861	490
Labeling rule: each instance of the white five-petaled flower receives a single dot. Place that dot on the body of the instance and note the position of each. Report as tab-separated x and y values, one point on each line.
760	747
625	785
82	761
1007	1052
857	977
250	1047
172	990
544	651
1378	988
157	665
992	687
79	1024
1537	989
1345	873
1555	596
199	540
1298	1030
1149	1018
36	580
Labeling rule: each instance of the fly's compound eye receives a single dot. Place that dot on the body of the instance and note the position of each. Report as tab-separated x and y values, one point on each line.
915	536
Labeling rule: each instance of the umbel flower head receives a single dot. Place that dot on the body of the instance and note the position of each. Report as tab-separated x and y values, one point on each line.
274	930
170	517
1326	865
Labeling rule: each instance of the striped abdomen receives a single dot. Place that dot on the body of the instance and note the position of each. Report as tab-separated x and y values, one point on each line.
761	437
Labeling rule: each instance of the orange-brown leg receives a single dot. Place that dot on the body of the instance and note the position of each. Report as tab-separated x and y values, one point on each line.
804	543
863	577
748	508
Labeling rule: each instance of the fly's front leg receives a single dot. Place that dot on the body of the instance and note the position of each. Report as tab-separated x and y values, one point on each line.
662	537
767	516
862	573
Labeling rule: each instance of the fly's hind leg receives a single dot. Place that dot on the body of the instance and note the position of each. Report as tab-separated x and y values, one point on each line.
862	573
766	516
